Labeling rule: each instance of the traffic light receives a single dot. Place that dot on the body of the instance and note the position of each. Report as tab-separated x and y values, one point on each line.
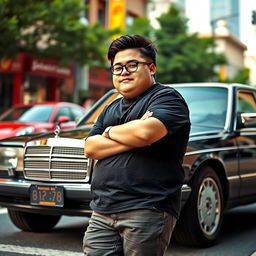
254	17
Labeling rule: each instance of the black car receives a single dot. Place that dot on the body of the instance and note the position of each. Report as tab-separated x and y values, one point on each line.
44	176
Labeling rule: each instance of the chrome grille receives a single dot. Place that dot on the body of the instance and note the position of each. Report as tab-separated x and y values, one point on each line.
68	165
37	175
38	150
69	175
36	164
56	163
68	151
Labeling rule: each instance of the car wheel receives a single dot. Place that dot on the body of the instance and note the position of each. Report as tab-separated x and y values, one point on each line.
201	218
33	222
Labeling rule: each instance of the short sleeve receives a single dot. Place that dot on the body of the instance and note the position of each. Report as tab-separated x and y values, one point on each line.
170	108
98	127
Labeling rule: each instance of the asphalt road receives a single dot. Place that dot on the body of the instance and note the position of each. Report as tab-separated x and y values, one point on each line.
238	237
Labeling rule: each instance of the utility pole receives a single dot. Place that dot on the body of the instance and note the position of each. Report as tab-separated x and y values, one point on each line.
254	17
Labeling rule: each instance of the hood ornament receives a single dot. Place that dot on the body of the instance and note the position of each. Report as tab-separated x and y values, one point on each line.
57	131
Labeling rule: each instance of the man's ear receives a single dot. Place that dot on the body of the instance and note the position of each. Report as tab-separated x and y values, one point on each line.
152	68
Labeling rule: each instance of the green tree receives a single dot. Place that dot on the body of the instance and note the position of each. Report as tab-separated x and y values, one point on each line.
141	26
182	57
50	28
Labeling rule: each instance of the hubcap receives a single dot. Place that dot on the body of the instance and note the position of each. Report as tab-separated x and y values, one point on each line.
209	206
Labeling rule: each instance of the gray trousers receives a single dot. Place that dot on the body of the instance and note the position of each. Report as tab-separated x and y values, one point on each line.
131	233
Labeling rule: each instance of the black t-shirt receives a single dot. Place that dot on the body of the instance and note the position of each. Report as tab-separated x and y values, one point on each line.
148	177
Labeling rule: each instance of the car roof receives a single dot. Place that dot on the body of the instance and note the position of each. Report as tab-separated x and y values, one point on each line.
213	84
50	103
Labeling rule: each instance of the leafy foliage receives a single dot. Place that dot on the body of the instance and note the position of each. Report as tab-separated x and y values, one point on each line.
141	26
50	28
182	57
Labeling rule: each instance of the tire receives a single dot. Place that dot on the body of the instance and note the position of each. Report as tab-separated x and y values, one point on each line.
33	222
201	218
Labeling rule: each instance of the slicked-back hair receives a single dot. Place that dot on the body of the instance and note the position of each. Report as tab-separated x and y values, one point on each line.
145	46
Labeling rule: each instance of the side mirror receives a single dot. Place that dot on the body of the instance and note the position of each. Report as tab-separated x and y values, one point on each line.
62	119
248	120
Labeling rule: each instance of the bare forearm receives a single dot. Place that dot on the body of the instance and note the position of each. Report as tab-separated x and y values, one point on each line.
98	147
138	133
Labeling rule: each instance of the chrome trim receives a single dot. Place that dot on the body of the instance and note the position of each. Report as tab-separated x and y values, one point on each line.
185	188
202	151
248	175
209	134
247	131
229	107
235	177
27	184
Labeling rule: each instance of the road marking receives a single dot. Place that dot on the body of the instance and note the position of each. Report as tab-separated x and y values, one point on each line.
3	211
25	250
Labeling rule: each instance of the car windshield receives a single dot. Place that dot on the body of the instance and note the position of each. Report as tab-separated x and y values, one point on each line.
207	105
37	113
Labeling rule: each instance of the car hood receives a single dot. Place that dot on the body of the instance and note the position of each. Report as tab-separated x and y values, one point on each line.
75	133
83	131
8	129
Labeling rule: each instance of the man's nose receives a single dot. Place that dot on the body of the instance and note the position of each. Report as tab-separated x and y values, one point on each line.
125	71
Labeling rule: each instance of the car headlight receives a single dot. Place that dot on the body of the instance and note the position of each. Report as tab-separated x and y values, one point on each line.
11	158
26	130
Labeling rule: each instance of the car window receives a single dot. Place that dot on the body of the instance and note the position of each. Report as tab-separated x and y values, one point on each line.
77	113
246	102
64	111
207	105
37	113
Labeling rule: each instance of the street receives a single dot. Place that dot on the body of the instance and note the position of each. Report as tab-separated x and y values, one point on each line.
238	237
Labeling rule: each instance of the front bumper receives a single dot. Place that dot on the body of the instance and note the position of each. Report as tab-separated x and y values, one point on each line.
15	194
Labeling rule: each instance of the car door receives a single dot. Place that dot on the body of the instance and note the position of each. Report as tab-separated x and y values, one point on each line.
247	144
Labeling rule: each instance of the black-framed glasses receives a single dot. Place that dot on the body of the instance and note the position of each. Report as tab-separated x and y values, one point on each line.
130	66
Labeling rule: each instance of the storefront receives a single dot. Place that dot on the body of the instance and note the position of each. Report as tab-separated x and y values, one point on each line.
45	81
11	73
27	79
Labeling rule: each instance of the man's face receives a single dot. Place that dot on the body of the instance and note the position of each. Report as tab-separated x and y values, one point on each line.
132	84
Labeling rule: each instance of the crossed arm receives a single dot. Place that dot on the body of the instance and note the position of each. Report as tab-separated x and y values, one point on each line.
137	133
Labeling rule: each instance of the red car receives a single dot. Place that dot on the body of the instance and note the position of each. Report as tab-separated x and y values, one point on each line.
38	117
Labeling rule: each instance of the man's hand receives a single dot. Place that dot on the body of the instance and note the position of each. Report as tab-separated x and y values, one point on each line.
146	115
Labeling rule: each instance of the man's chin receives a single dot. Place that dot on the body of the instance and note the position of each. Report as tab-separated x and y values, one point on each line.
126	88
